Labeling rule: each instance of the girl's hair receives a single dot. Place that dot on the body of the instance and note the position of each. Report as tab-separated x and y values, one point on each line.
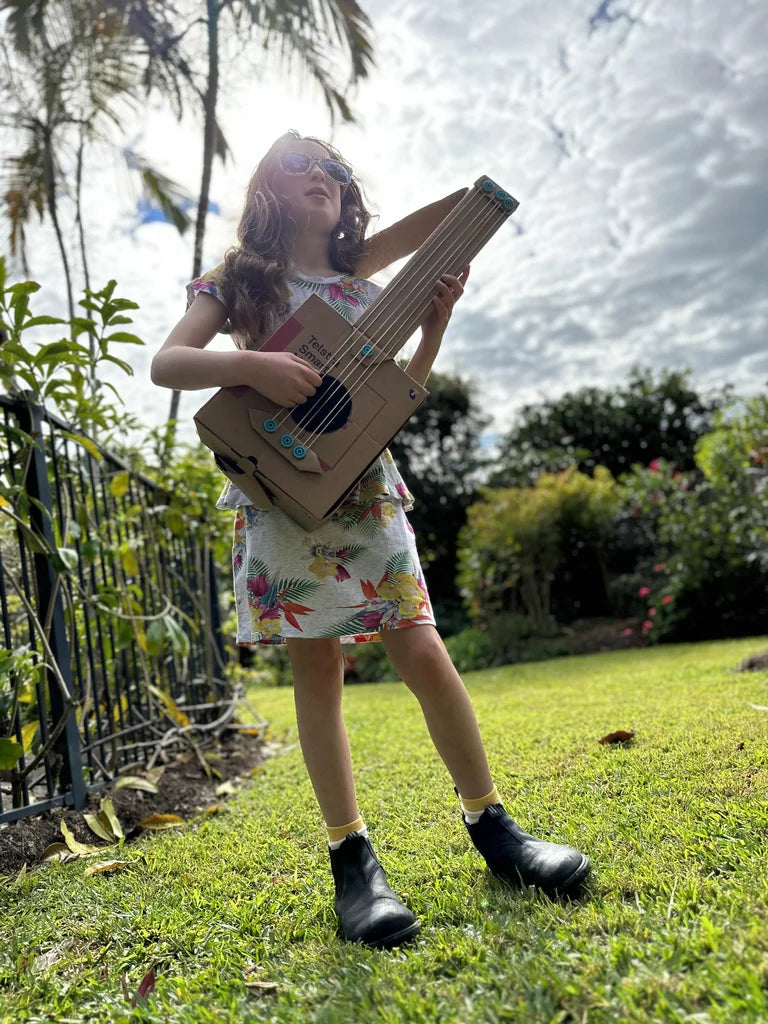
255	275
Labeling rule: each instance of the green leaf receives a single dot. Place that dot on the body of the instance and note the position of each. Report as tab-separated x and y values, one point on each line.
80	324
20	311
156	633
119	484
179	639
65	560
10	752
125	367
91	549
130	339
39	321
89	445
23	288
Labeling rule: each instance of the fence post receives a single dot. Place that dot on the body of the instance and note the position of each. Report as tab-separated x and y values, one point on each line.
36	483
214	616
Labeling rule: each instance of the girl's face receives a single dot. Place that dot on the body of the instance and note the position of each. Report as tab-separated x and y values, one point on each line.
314	197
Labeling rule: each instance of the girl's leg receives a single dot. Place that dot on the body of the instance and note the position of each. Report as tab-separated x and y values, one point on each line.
419	656
368	910
422	662
318	680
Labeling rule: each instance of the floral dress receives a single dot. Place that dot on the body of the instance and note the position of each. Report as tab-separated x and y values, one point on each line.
359	572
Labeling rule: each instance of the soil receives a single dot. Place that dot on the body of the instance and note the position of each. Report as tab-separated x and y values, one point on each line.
183	789
754	663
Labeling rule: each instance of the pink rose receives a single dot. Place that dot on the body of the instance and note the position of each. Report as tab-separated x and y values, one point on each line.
628	631
647	625
651	612
643	591
667	599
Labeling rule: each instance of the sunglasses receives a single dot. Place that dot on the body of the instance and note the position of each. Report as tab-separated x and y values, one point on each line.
300	163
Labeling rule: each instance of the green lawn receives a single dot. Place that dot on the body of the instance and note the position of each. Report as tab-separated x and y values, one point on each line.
674	926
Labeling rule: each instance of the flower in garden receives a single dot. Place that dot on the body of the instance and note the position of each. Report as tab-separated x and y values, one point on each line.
643	591
667	599
647	625
654	466
651	612
660	567
628	631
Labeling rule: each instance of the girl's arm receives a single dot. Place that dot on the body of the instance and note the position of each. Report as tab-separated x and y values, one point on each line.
182	362
405	236
449	290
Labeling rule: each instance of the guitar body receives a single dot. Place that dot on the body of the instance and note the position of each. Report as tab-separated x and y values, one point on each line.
352	423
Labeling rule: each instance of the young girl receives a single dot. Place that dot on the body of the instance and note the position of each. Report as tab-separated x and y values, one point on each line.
357	577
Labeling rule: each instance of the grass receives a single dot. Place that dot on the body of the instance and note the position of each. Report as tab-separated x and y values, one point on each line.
674	927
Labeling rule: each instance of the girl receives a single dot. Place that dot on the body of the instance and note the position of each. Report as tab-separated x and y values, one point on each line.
303	232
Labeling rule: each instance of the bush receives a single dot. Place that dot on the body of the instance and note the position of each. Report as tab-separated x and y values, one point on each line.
471	650
517	540
710	578
367	663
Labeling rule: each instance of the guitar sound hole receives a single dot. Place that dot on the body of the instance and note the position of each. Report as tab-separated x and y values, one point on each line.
328	409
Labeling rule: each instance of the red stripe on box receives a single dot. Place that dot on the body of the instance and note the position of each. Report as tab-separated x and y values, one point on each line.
283	336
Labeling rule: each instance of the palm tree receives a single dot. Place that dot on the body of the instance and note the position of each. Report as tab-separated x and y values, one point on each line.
66	77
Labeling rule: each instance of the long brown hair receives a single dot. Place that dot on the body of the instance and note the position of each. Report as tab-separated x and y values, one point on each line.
256	270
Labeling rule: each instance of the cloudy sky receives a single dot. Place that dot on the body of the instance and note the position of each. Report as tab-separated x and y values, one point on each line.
629	130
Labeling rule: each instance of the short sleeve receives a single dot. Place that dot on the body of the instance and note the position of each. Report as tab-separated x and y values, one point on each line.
210	283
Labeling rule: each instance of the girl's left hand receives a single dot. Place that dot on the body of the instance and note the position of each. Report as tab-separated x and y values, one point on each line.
449	291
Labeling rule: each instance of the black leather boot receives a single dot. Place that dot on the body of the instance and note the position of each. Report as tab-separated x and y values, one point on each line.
369	911
522	860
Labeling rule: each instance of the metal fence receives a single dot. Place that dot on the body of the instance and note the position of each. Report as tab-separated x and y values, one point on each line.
110	615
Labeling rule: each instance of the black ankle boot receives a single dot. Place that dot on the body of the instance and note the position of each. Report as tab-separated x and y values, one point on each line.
521	860
369	911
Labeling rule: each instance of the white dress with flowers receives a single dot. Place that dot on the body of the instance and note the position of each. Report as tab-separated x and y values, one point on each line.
356	575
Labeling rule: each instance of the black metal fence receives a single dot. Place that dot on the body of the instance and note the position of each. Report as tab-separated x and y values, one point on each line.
110	615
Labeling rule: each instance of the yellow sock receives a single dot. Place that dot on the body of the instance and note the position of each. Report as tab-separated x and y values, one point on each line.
474	808
337	833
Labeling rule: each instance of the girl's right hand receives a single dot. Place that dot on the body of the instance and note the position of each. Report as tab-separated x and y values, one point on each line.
283	377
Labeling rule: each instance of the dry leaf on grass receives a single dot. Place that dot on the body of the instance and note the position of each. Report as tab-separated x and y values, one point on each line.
60	852
257	987
160	821
136	782
81	849
104	867
146	986
620	736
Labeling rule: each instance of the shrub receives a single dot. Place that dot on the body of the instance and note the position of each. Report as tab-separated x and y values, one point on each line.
471	650
517	539
367	663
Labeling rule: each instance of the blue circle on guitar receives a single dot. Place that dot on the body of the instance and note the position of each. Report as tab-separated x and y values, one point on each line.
327	410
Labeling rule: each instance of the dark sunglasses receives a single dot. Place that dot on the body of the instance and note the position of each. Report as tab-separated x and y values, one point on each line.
300	163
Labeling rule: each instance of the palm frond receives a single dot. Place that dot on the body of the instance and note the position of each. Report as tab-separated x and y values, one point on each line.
168	194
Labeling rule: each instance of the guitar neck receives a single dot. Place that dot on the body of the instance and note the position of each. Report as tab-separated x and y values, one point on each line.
403	304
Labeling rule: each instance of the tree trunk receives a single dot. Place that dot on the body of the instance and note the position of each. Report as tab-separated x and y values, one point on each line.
50	182
81	234
209	145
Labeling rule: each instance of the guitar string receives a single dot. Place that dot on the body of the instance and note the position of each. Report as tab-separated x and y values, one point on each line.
407	319
351	340
404	321
417	289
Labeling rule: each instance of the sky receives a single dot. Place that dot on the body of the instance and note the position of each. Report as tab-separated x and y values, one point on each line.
632	132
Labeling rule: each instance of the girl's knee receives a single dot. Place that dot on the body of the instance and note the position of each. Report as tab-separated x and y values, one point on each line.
416	649
316	662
